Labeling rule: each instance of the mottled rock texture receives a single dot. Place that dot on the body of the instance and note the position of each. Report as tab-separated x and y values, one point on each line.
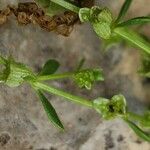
23	123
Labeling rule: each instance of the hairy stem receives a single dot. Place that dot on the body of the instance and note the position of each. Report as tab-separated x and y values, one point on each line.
133	38
61	93
55	76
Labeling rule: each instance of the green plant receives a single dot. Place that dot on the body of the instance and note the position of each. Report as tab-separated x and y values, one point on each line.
106	27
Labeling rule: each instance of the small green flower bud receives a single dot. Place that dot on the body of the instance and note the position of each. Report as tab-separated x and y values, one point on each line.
105	15
84	14
15	73
102	26
101	20
110	109
86	78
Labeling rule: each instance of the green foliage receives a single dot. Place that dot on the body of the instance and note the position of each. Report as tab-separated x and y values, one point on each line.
15	73
101	20
135	21
123	10
145	67
50	111
146	119
50	67
110	109
145	136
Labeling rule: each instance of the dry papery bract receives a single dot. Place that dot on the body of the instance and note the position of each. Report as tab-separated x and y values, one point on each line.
29	12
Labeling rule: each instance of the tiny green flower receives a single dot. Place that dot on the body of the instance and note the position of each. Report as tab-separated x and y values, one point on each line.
110	109
101	20
86	78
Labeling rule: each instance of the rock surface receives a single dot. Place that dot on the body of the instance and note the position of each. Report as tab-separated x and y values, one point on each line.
23	123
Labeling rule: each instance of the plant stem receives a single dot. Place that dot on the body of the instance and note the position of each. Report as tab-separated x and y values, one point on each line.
61	93
134	116
67	5
55	76
133	38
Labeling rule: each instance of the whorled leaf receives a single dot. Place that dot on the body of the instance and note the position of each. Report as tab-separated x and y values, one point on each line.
110	109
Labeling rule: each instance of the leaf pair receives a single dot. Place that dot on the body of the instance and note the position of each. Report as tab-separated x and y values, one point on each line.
130	22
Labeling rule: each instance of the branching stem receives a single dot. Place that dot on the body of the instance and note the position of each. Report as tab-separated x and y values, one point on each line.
55	76
61	93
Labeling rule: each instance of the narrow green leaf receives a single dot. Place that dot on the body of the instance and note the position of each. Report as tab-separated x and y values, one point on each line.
135	21
50	111
145	66
145	136
80	65
50	67
124	10
134	38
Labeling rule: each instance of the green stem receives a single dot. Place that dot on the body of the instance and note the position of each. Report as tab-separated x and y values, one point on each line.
133	116
133	38
55	76
67	5
61	93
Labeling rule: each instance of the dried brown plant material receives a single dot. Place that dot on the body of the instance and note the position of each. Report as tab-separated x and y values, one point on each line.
29	12
4	14
3	19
